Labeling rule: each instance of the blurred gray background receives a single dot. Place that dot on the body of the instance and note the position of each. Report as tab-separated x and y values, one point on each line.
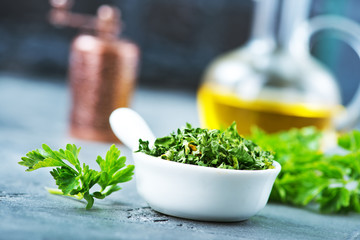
177	38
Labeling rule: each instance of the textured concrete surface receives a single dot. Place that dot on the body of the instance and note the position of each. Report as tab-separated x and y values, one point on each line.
36	112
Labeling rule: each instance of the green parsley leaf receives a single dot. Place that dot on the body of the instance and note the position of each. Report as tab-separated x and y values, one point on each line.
210	148
310	176
66	180
76	180
350	141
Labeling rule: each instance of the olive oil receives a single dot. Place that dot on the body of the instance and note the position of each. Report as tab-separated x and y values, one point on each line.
219	108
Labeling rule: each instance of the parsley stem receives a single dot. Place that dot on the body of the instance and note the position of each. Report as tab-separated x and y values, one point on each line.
56	191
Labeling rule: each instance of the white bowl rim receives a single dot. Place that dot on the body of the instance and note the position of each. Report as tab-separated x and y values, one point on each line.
158	160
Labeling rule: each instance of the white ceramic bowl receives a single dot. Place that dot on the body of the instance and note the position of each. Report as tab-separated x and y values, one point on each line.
202	193
189	191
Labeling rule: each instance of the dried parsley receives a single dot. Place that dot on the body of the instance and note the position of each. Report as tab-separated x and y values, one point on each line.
210	148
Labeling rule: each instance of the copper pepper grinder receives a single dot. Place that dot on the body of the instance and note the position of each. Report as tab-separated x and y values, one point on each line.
102	69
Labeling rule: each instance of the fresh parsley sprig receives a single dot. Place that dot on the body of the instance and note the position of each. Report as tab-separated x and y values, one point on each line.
210	148
75	179
310	176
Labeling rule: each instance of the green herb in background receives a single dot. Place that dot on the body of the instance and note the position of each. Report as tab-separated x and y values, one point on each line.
76	180
210	148
308	175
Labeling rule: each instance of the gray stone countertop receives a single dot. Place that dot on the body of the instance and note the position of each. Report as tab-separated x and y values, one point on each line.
34	111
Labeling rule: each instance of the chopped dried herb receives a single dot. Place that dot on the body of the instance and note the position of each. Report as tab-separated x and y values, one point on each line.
210	148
